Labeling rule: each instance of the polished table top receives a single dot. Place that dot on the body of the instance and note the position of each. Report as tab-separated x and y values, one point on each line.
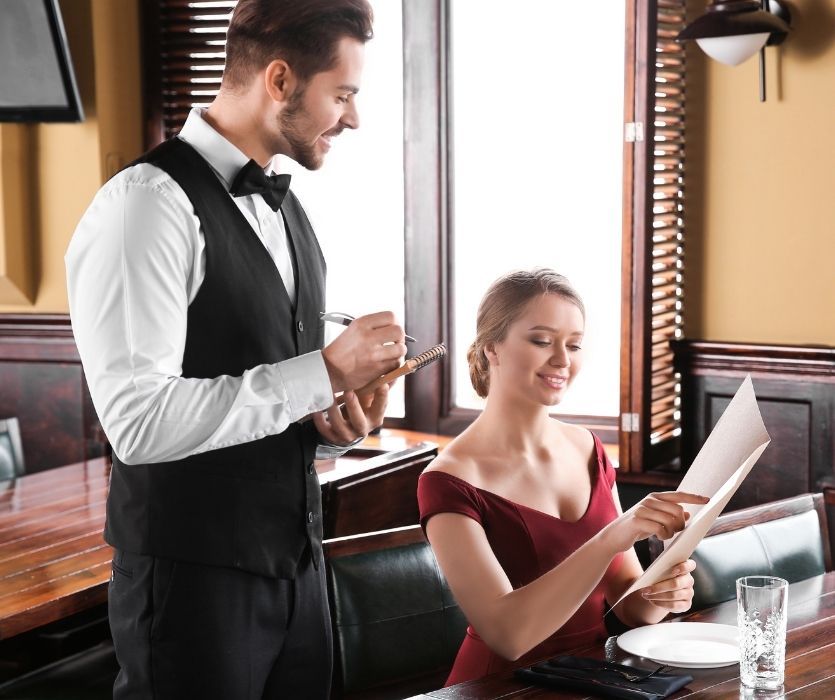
53	559
810	657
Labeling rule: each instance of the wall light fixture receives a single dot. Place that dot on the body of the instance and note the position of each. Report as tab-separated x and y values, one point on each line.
731	31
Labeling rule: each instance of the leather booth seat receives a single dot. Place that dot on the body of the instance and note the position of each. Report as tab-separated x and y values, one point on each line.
397	627
87	675
787	538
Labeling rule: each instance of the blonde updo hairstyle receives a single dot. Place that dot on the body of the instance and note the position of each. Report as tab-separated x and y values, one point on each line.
501	305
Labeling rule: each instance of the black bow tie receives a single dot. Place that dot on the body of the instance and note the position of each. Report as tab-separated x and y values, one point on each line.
252	180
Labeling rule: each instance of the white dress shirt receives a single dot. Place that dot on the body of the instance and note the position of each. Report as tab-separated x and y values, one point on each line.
134	264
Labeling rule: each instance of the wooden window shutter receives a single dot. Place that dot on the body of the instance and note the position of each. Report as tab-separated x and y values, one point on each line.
653	239
185	42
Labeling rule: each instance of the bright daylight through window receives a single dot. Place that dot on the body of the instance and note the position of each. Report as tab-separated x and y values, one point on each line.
537	163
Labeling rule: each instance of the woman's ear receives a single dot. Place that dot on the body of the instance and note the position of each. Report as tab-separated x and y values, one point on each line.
279	80
490	353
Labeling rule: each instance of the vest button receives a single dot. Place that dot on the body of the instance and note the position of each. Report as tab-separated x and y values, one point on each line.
309	468
300	326
310	517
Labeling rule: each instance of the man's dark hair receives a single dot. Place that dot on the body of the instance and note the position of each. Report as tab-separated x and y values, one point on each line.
305	33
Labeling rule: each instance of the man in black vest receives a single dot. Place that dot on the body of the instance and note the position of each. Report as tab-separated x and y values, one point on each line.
196	289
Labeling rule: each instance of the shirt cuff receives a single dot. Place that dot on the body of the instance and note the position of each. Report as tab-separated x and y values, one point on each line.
328	450
307	383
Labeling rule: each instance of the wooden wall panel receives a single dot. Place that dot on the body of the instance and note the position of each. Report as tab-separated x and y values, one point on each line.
795	389
47	400
42	384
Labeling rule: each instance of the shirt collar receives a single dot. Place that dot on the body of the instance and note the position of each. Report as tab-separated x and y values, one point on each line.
225	158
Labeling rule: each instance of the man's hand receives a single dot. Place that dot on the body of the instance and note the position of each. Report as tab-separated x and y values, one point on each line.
368	348
341	425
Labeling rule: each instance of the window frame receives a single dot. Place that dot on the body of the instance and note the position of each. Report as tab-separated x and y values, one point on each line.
428	201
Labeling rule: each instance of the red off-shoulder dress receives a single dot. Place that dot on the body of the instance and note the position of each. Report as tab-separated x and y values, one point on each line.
527	543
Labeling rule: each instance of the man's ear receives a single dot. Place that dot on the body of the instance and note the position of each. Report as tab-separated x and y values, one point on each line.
280	81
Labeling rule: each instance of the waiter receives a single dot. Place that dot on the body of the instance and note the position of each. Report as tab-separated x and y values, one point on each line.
196	286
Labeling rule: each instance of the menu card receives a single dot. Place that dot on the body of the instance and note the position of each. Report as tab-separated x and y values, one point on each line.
730	451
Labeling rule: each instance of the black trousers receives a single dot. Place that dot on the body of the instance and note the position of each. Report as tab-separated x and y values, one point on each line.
190	631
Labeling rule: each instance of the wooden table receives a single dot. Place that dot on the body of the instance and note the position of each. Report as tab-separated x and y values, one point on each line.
53	559
810	657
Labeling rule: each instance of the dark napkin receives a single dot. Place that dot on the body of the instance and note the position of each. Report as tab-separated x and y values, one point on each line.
601	678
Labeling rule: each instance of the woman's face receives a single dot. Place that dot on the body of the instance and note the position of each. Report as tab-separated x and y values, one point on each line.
542	352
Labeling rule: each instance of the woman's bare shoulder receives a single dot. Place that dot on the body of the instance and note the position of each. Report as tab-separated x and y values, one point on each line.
576	436
456	460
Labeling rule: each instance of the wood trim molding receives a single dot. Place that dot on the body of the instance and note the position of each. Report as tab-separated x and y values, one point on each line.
17	270
373	541
41	337
813	362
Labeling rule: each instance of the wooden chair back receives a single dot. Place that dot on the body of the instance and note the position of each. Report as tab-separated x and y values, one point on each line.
381	493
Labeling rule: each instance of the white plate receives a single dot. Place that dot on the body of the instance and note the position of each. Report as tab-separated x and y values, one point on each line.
685	644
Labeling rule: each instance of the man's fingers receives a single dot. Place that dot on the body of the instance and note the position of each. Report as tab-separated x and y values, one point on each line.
376	410
324	427
355	419
378	319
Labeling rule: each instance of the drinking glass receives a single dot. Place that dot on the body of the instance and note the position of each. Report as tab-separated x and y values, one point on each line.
761	617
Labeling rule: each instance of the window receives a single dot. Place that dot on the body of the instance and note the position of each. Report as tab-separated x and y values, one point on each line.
536	150
440	193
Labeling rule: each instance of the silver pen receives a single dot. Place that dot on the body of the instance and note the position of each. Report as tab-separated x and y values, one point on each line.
345	320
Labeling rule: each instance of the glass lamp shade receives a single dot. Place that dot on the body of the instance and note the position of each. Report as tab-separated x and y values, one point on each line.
742	22
732	50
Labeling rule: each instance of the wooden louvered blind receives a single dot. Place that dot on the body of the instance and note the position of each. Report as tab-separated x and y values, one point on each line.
667	220
654	253
186	43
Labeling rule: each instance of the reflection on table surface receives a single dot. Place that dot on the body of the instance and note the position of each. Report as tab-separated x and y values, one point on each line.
810	656
53	559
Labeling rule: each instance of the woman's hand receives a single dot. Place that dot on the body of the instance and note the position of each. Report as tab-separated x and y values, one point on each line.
675	593
658	514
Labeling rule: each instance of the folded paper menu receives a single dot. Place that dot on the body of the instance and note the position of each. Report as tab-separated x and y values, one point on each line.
730	451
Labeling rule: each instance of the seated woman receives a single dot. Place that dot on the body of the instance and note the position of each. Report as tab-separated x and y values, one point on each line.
522	510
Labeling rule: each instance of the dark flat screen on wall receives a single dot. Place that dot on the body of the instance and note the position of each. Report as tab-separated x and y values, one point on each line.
37	83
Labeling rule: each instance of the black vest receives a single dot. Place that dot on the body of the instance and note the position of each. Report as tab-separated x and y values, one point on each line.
256	505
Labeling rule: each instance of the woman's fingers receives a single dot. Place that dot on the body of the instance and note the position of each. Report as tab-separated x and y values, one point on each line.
681	497
665	511
674	592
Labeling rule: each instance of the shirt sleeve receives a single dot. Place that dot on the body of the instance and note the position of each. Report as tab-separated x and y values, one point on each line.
438	492
130	276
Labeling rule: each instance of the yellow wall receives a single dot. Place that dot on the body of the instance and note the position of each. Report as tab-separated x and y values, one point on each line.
761	177
71	161
761	190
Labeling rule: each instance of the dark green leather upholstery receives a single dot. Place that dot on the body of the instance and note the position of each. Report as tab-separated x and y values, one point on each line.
394	617
88	675
791	547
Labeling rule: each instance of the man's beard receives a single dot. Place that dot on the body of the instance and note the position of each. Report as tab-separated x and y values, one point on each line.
292	122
